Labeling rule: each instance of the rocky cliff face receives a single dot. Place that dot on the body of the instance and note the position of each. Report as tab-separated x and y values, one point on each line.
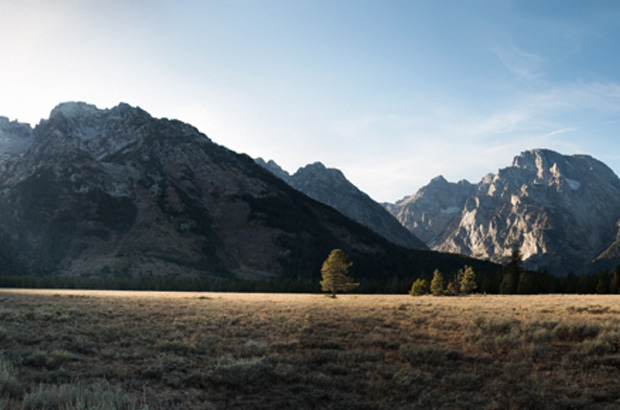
561	211
331	187
117	192
430	211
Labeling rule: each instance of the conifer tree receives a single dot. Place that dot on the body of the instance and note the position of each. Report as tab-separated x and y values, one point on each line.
583	285
525	285
334	272
512	272
506	287
468	280
437	284
613	283
451	289
419	287
601	289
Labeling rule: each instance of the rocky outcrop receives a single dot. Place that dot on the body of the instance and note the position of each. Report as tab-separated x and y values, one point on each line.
430	211
331	187
560	211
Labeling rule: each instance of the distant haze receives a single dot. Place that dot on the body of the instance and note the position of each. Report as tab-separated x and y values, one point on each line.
392	93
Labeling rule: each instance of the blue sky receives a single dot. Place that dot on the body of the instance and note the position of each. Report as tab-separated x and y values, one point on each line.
392	93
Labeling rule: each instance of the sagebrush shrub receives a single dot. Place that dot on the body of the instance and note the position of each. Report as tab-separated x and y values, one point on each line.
407	376
9	386
576	331
238	372
427	354
96	396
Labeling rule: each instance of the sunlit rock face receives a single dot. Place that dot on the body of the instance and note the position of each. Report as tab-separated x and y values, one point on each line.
429	212
93	192
331	187
560	211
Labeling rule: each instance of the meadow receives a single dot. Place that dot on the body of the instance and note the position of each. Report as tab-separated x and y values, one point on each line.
67	350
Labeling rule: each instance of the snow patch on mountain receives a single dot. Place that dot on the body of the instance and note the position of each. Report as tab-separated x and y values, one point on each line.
573	184
451	210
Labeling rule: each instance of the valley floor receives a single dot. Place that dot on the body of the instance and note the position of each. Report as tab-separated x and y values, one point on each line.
147	350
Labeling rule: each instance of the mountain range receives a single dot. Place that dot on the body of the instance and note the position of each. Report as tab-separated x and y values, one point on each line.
561	212
331	187
115	192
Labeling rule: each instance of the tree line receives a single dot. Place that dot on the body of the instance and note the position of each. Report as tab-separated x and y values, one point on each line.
510	279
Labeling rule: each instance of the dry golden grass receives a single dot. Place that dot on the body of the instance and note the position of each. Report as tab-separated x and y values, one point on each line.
164	350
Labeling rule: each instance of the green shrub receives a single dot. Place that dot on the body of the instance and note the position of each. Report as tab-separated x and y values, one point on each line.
11	315
239	372
407	377
9	387
97	396
427	354
502	326
605	343
576	332
4	335
177	346
52	360
499	326
593	347
252	348
500	345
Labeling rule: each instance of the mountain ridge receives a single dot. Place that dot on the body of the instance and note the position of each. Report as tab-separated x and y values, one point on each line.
116	192
331	187
558	210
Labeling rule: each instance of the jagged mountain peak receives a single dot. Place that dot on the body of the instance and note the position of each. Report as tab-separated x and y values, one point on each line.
317	171
331	187
15	138
84	112
13	130
111	190
438	180
274	168
558	209
315	165
72	109
548	163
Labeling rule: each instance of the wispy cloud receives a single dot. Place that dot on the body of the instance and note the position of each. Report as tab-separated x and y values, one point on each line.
523	64
602	97
466	143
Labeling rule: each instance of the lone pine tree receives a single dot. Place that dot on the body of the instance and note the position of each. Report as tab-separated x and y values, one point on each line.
334	272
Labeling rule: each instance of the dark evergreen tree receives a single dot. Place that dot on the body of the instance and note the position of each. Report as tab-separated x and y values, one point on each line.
512	271
613	283
525	285
602	284
583	285
569	284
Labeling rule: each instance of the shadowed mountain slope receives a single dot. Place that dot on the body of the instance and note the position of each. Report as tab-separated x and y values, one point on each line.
331	187
96	192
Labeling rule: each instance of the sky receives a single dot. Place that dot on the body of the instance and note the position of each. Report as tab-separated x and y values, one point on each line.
393	93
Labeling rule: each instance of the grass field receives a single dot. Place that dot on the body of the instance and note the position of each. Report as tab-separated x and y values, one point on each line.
148	350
